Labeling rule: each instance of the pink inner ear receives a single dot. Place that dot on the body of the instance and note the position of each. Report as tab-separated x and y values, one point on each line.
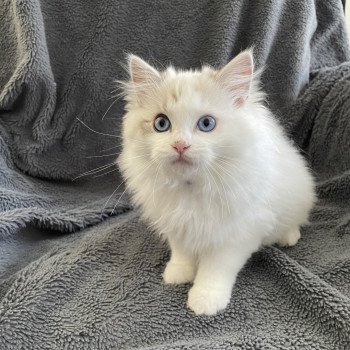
247	70
138	73
237	76
240	89
137	76
141	72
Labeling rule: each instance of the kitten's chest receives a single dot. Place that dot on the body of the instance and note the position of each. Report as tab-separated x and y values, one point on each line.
184	210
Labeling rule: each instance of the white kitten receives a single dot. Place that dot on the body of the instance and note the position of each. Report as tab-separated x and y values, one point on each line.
212	172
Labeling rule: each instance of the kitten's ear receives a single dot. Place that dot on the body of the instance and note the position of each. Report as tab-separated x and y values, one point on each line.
237	76
141	73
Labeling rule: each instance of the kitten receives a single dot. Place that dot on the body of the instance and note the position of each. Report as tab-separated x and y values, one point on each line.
211	171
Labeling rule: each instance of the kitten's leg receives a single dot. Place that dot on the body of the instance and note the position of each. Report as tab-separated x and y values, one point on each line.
216	275
181	267
290	238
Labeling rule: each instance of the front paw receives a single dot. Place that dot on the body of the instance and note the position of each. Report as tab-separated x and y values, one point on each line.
291	238
207	301
178	273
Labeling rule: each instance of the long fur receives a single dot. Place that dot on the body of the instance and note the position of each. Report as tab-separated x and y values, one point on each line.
248	185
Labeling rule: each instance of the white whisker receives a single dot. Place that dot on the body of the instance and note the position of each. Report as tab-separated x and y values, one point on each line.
103	155
97	132
109	198
105	134
217	186
236	182
108	149
210	189
155	180
118	201
223	187
94	171
112	104
126	178
108	172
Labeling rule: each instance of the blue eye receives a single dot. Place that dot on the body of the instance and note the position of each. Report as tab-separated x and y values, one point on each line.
161	123
206	123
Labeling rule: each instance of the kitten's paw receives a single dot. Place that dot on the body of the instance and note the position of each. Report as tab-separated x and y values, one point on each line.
178	273
290	239
204	301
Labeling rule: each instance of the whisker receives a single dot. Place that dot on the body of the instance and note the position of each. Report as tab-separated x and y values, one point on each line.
233	178
233	163
109	198
139	156
154	185
104	134
126	178
118	201
111	171
103	155
210	189
93	171
108	149
221	201
112	104
223	187
97	132
147	167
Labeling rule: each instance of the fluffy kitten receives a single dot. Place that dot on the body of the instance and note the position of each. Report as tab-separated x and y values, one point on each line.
212	172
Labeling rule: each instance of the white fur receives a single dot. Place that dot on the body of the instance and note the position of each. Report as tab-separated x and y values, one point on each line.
248	185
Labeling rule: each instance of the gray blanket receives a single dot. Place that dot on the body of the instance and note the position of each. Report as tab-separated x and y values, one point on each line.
78	271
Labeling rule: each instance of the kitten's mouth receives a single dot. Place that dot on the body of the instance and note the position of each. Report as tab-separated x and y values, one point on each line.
182	161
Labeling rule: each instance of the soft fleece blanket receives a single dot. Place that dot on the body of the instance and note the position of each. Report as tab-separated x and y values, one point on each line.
78	272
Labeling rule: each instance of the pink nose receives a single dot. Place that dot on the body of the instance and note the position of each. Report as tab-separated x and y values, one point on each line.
180	146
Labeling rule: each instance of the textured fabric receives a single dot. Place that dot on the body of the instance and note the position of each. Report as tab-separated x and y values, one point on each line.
66	286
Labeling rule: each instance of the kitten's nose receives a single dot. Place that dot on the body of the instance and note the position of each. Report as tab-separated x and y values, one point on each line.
180	146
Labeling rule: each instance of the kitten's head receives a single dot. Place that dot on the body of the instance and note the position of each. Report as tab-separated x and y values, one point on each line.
185	121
